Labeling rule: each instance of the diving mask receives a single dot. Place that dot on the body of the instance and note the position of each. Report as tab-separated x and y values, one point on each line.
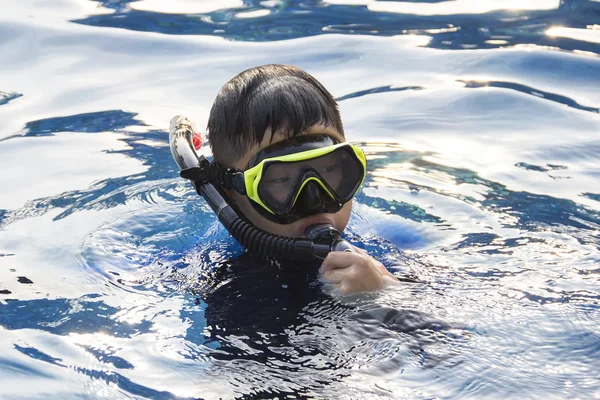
295	178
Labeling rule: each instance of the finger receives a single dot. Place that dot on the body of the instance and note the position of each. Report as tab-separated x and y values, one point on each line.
339	259
334	275
359	250
330	288
379	267
346	288
336	289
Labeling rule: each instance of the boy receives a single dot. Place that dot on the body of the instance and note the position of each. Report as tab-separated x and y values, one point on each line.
268	111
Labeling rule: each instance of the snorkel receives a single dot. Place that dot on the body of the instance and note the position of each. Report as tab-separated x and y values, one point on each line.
321	239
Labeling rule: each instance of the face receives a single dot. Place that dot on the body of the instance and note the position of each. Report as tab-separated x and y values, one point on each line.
296	229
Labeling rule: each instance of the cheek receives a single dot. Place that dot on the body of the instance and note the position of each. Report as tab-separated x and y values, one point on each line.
246	208
343	216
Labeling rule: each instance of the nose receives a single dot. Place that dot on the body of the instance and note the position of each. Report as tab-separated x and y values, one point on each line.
313	199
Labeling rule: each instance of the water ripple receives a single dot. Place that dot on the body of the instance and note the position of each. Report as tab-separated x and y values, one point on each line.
6	97
381	89
531	91
67	316
116	279
284	20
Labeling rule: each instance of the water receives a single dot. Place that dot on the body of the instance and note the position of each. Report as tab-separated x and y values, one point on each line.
481	126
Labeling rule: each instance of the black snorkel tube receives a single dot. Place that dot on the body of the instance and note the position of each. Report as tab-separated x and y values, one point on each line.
321	239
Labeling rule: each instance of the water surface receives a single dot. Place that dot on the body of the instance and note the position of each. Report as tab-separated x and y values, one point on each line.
481	127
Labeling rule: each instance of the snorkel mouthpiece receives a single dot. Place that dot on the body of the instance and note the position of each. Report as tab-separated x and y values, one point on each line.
328	234
321	239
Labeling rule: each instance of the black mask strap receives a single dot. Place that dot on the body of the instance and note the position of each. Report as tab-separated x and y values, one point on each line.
227	178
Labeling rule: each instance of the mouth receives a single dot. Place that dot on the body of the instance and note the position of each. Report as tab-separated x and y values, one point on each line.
314	220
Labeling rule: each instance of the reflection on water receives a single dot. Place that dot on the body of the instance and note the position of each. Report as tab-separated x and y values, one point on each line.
6	97
117	281
534	92
286	336
461	24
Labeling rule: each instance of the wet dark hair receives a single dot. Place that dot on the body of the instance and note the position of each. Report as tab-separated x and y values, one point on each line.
281	97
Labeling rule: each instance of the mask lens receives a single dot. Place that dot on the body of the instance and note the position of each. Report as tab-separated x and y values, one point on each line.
277	184
340	172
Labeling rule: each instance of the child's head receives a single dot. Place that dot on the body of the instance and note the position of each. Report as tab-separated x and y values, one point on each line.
263	106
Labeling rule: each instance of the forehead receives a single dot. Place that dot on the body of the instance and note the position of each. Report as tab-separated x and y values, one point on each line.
270	139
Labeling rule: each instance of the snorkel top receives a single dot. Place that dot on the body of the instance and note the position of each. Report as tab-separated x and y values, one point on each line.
186	146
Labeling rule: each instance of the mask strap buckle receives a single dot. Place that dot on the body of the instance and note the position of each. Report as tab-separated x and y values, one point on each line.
228	178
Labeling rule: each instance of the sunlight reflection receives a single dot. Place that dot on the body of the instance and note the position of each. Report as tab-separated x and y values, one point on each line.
414	40
185	6
253	14
592	34
451	7
98	338
497	42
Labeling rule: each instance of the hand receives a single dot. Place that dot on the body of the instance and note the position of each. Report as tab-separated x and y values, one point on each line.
355	272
